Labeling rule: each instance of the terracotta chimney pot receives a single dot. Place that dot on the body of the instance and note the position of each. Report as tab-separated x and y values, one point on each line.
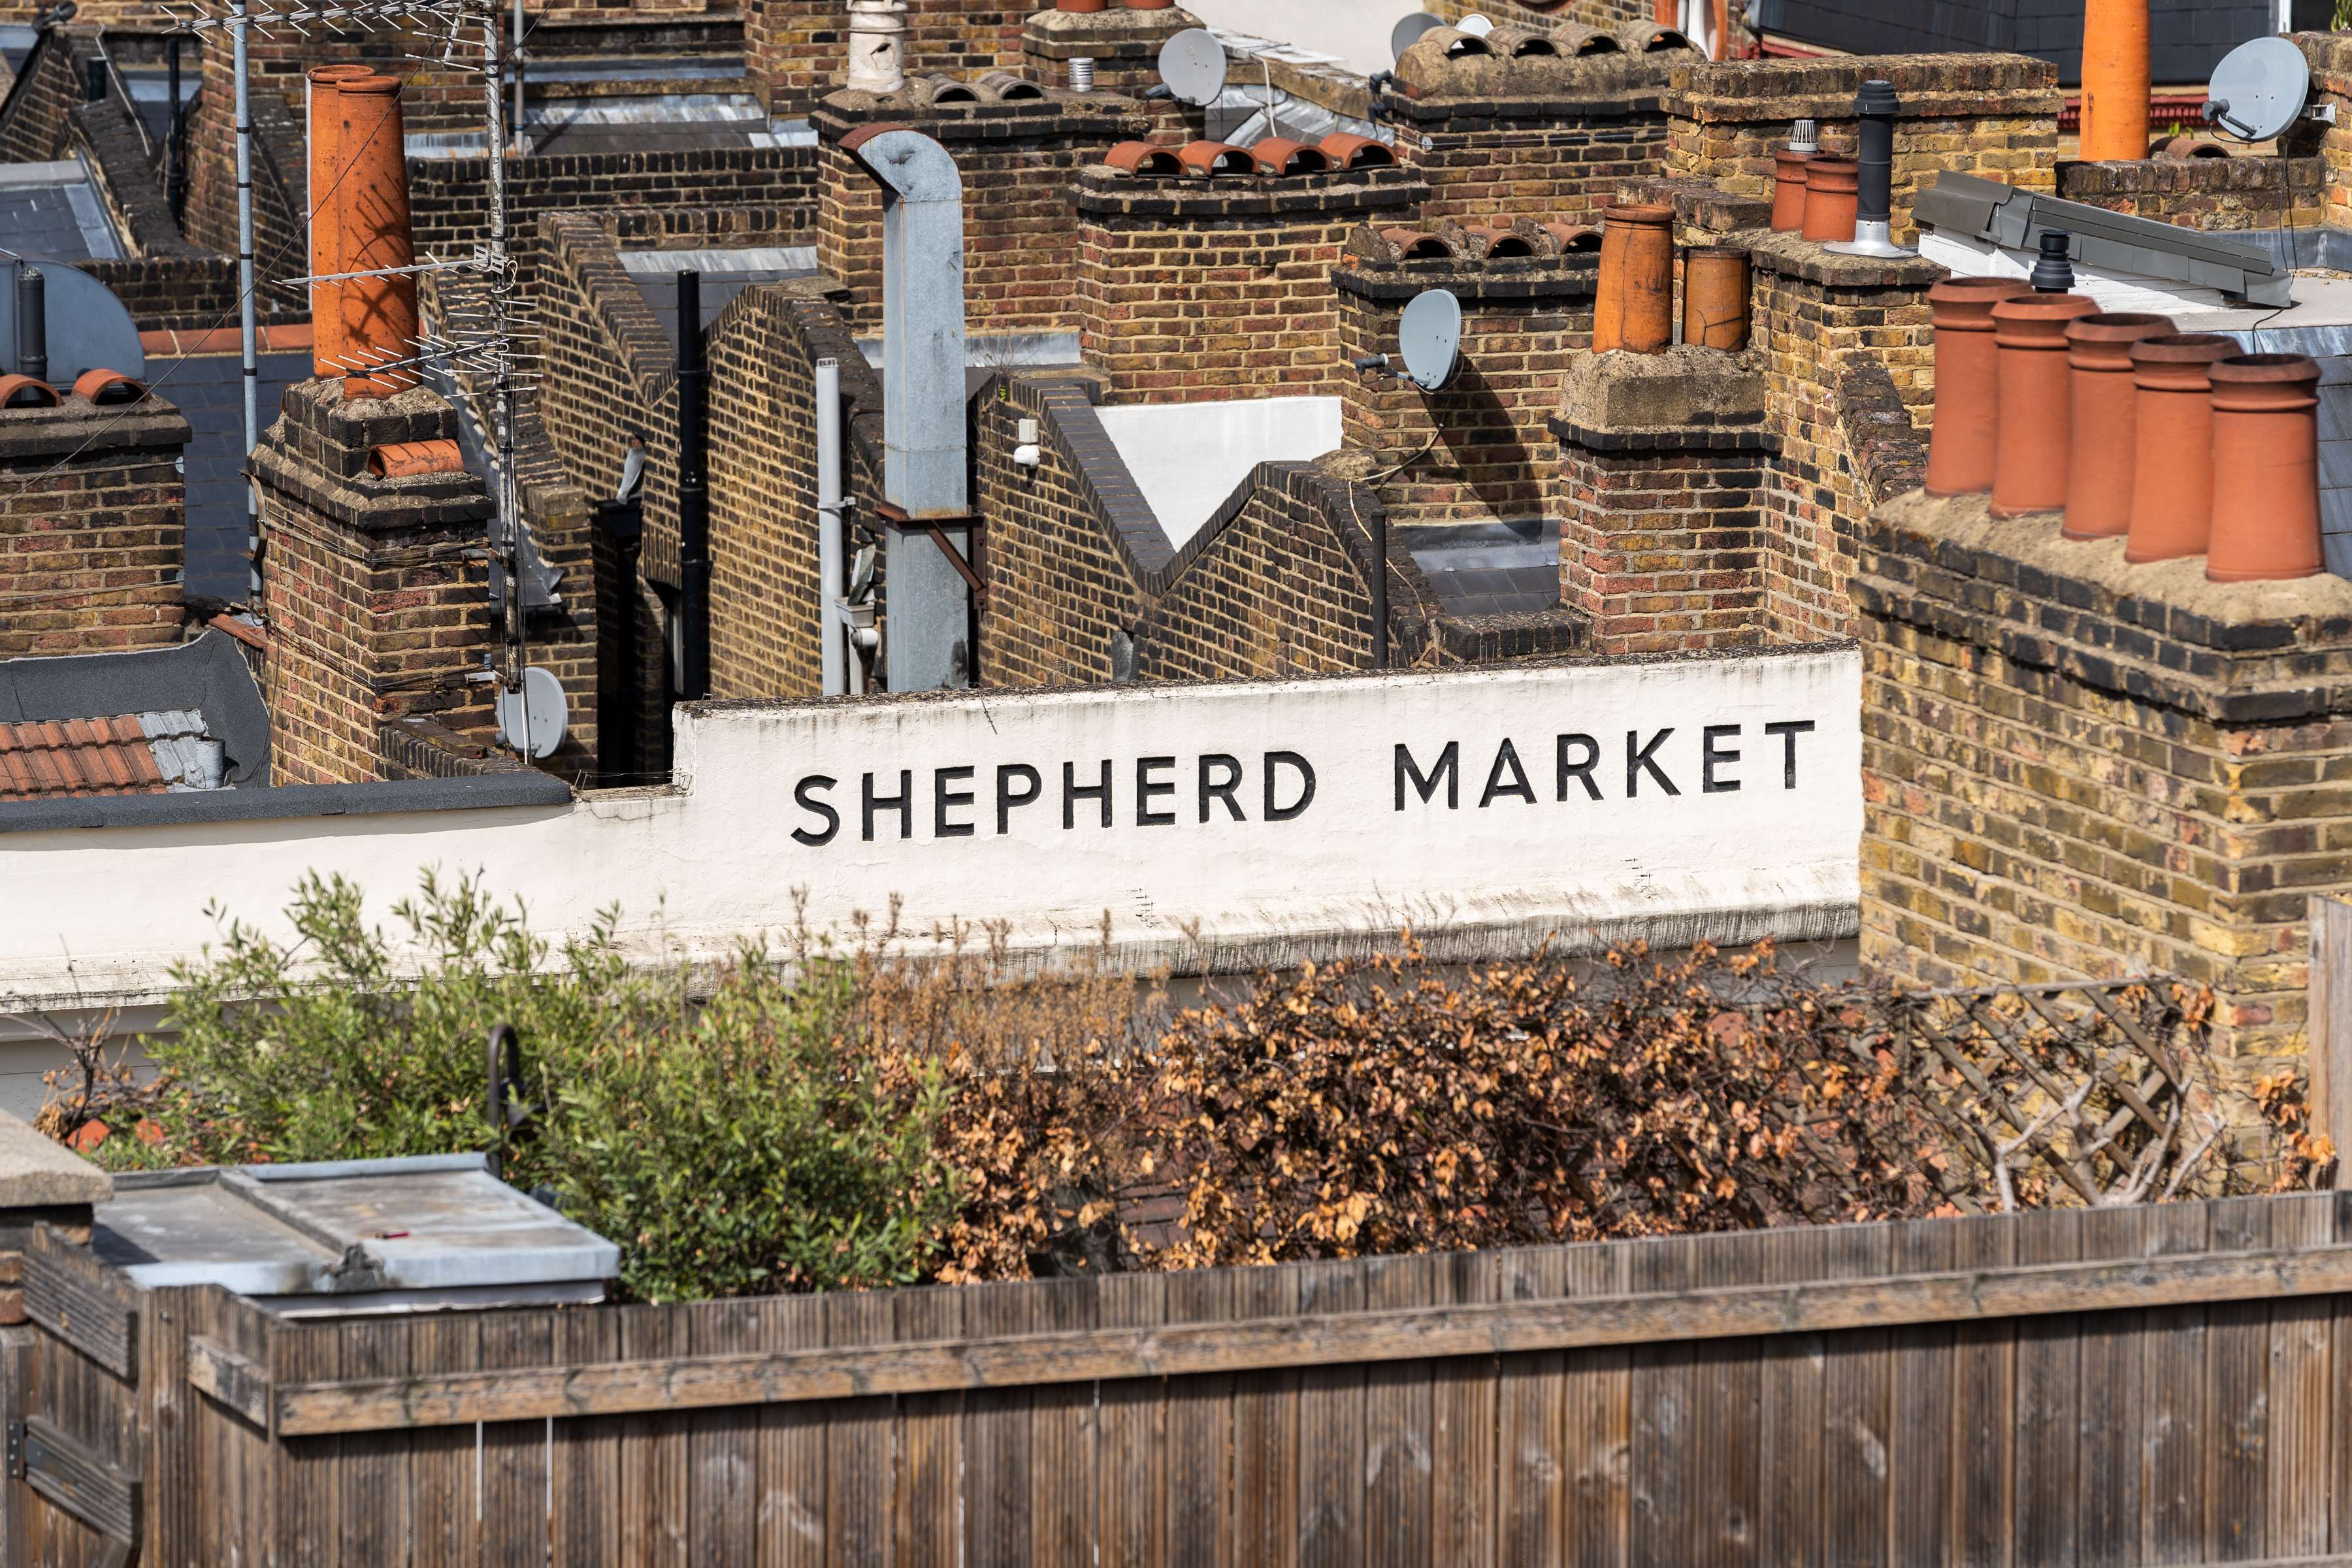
2033	447
2099	477
1968	387
2115	81
2267	439
2172	443
1207	160
1788	190
1635	306
325	131
378	315
1831	187
1715	297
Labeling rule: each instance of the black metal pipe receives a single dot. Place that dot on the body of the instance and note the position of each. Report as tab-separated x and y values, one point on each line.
693	494
32	323
1875	189
1380	531
622	522
93	86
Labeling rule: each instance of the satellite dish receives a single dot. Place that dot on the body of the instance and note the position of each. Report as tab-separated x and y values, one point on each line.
1477	25
1430	338
548	719
89	328
1192	64
1407	32
2259	90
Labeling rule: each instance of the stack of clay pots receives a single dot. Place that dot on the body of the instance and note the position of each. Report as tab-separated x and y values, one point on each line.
1633	305
2048	404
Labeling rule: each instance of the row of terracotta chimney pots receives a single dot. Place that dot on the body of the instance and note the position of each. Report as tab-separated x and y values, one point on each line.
1635	303
1813	196
1274	157
1503	239
2122	424
362	328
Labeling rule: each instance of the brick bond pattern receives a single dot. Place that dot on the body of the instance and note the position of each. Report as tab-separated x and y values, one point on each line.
376	592
1507	13
1021	248
91	530
35	130
1994	115
1661	543
1192	291
2211	193
2072	768
797	50
1521	320
2330	57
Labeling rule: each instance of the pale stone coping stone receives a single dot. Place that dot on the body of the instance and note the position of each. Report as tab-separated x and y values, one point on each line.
38	1172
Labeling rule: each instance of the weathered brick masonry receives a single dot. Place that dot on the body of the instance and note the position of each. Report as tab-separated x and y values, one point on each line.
1192	290
375	590
33	128
1017	160
92	536
1522	319
2212	193
1125	47
2073	767
798	50
1524	13
1994	115
2330	57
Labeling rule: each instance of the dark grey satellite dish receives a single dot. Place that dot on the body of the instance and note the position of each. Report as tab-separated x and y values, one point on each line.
1192	64
89	328
1430	337
1407	32
2259	90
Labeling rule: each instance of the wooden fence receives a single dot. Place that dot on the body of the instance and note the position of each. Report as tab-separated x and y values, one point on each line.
2165	1384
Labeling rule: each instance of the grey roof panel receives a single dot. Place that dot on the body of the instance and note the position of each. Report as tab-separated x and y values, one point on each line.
1987	209
208	677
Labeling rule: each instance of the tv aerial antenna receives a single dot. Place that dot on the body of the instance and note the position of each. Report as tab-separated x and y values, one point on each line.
2260	90
473	344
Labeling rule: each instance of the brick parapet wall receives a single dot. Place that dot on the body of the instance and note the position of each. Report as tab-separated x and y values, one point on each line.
2076	767
375	590
798	50
1989	114
2329	55
1125	47
92	527
445	193
1195	291
33	124
421	748
1017	161
282	170
1490	458
2209	194
1814	315
1661	541
1511	14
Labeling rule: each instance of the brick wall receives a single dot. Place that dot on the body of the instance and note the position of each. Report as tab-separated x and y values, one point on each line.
2330	57
33	128
2076	767
1510	13
445	193
92	534
1993	115
1661	546
798	50
1017	161
375	590
1193	292
1521	320
1125	47
2214	193
1815	316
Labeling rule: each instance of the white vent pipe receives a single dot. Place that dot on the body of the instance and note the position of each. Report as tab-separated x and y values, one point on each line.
878	33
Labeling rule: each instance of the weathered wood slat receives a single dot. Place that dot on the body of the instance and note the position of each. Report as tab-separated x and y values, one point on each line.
227	1377
83	1303
1271	1342
86	1486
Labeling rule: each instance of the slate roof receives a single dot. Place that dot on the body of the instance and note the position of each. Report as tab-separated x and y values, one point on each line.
1490	568
204	387
49	210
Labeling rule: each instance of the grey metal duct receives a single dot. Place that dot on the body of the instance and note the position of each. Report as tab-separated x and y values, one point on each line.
926	457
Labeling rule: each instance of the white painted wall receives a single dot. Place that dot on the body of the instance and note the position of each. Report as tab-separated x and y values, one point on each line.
698	866
1188	457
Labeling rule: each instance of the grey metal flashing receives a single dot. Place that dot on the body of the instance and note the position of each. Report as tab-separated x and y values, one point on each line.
208	676
521	788
2016	220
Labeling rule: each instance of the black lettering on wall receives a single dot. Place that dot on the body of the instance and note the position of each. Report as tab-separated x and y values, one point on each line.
804	792
1638	760
1448	770
898	803
1006	800
1580	772
1789	730
1274	763
943	798
1507	759
1221	788
1074	792
1711	756
1149	789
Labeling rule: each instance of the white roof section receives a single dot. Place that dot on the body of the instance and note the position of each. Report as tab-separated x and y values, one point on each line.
1189	457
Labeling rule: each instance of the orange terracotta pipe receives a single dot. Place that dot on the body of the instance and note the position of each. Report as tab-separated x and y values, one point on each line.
327	170
2172	442
2099	478
1666	13
1968	407
2266	438
377	315
1833	196
1635	308
1715	297
2034	448
2115	81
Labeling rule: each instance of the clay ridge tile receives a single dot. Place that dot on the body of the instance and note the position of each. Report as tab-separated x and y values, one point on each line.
77	757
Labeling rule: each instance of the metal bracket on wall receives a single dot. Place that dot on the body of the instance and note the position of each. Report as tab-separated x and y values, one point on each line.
972	570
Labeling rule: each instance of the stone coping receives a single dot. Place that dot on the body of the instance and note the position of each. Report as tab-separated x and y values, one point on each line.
1105	192
38	1172
1118	34
1926	87
1791	256
1105	116
77	428
2158	633
1509	281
